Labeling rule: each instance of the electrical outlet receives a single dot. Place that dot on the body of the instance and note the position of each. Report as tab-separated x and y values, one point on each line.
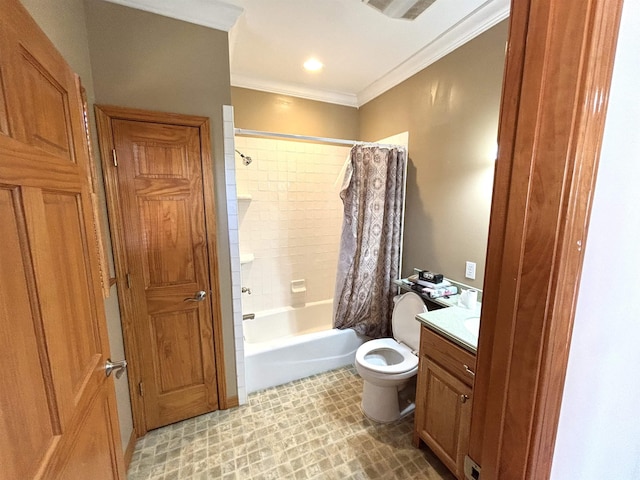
470	270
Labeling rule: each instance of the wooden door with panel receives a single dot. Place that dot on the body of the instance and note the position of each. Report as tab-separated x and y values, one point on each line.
159	183
57	407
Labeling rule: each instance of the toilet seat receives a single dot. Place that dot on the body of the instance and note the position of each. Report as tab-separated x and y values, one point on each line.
408	361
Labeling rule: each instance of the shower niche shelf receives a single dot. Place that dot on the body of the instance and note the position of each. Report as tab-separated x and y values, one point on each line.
244	197
246	258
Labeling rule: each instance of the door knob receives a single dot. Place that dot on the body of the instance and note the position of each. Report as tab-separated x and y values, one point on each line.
198	297
118	367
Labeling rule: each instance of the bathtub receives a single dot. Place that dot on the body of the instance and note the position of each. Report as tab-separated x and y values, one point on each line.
289	343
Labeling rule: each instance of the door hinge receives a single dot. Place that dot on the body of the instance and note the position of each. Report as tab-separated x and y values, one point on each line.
141	389
115	157
128	280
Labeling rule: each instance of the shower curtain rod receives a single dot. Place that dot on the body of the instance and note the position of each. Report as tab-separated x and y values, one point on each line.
337	141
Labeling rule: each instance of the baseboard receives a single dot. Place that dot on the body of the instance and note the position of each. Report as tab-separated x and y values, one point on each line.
231	402
128	453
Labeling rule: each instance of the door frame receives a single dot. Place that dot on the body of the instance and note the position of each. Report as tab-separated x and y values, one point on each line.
556	85
104	115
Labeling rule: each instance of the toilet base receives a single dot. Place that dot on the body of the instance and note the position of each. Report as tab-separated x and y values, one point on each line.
387	404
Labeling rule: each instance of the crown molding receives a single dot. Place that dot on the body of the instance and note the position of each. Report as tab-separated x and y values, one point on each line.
480	20
294	90
207	13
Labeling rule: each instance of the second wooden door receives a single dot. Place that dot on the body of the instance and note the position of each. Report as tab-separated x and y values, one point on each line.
157	175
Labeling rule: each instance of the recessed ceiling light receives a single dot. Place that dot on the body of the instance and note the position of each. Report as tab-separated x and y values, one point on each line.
313	65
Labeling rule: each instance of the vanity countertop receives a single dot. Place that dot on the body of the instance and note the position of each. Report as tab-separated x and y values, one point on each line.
458	324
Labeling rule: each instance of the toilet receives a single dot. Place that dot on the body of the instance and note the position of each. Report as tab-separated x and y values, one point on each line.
388	364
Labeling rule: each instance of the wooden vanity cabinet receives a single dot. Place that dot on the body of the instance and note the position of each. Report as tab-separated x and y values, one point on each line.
443	399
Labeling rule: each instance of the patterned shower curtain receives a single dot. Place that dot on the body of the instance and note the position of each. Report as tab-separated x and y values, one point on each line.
370	245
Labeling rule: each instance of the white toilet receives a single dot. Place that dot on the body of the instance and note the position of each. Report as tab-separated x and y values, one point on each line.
387	364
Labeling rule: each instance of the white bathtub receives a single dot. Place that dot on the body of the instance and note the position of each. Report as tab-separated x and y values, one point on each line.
291	343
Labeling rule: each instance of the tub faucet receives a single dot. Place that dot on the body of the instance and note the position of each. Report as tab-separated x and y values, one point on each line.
246	290
248	316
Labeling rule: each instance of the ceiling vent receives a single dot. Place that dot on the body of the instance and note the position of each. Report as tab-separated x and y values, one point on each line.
405	9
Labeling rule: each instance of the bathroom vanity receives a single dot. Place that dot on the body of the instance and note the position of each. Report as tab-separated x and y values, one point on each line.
447	358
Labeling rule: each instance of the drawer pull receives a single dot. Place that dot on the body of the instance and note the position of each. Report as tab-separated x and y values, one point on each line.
469	371
464	398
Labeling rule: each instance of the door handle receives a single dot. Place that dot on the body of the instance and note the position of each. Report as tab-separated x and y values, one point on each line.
118	367
469	371
198	297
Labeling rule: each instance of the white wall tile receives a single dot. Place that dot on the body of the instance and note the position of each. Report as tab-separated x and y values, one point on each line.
234	246
292	224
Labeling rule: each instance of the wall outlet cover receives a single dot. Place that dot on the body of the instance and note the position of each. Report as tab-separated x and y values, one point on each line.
470	270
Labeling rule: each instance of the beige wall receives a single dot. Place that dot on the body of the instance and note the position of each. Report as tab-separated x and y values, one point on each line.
147	61
450	110
64	23
272	112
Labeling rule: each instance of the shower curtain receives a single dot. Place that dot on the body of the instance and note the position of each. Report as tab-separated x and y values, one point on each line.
373	198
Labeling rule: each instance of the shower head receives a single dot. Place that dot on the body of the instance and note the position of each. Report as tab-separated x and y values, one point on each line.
246	159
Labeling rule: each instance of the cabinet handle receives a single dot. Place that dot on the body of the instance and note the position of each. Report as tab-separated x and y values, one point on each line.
464	398
469	371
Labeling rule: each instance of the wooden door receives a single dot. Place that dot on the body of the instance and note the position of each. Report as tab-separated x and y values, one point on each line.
57	408
558	72
159	185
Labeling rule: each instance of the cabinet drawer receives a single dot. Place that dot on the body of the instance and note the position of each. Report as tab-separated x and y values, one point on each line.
448	355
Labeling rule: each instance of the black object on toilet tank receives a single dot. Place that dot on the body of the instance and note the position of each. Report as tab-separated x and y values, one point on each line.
430	276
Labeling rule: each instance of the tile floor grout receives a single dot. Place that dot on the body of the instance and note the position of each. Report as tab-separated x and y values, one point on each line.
308	429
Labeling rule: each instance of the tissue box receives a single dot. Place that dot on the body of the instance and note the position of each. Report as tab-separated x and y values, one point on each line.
430	276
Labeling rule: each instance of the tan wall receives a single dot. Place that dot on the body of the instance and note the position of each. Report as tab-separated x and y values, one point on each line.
450	110
272	112
147	61
64	23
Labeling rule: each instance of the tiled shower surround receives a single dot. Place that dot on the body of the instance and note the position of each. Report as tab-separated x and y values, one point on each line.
290	220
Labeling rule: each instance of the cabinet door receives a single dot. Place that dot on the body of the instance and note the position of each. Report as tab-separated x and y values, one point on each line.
443	415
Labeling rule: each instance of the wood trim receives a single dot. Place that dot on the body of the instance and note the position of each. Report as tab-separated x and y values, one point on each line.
104	115
231	402
105	141
122	113
557	79
128	452
512	85
112	281
214	275
98	230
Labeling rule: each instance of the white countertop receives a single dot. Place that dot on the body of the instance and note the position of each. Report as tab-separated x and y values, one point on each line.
456	323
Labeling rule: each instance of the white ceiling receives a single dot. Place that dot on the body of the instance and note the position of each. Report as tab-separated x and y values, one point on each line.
364	52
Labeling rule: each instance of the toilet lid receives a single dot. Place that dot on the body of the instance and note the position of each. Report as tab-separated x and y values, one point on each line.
406	328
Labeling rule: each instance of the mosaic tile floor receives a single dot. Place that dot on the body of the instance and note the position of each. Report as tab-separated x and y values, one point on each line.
308	429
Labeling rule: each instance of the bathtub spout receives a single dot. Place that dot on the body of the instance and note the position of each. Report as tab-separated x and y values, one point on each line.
248	316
